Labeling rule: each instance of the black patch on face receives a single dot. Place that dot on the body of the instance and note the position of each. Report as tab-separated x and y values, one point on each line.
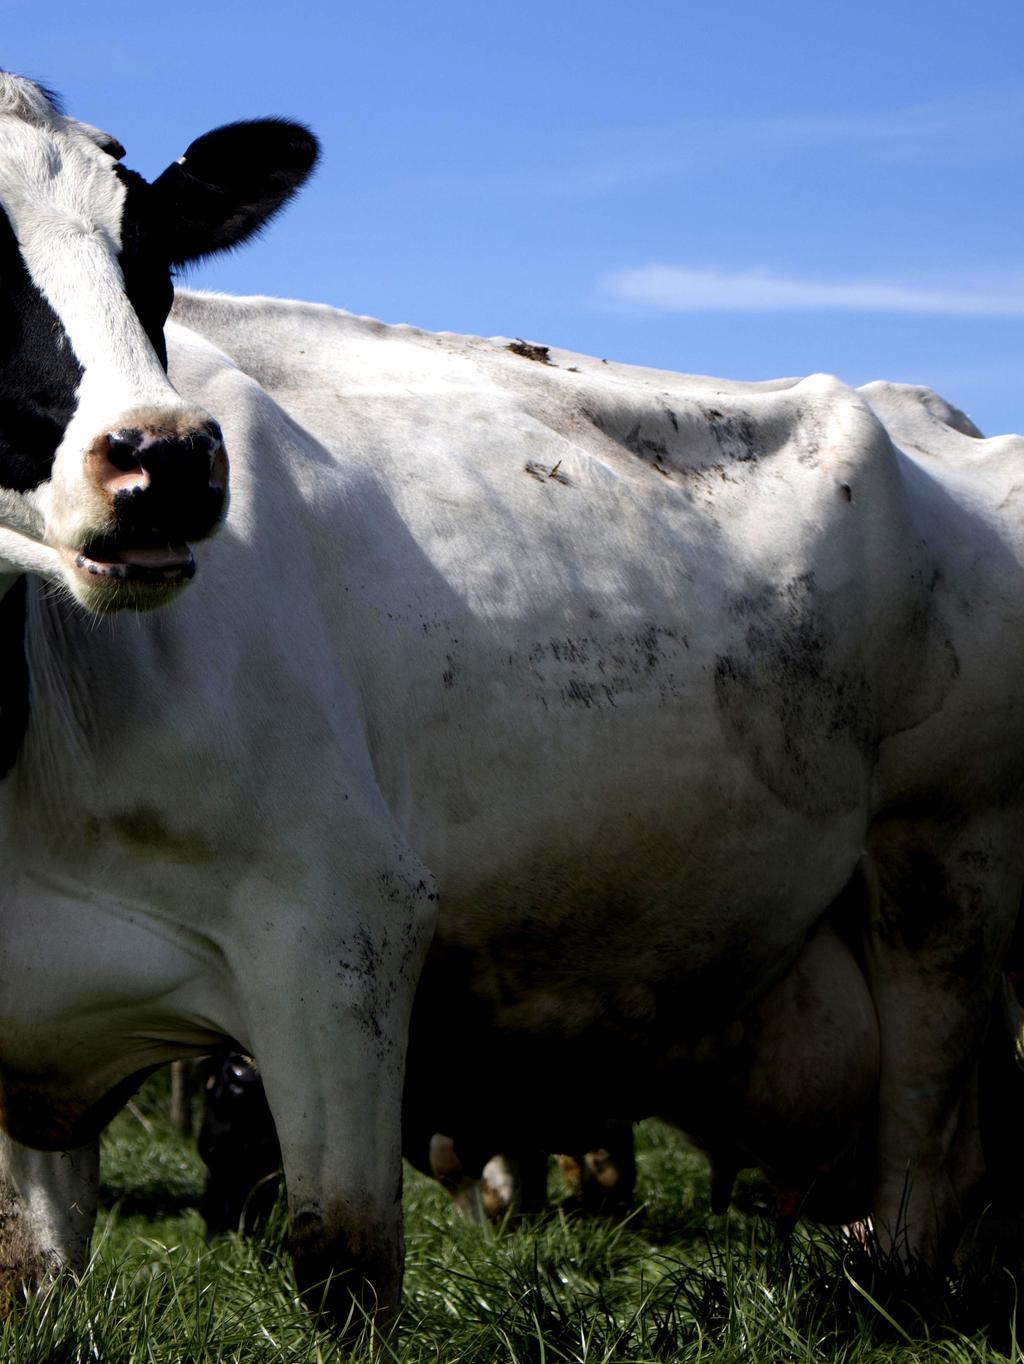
39	371
39	374
147	275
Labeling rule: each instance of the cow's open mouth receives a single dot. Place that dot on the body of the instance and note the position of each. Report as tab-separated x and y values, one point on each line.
164	564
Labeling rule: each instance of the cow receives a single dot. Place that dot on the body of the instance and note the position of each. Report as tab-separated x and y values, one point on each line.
601	684
514	1184
237	1143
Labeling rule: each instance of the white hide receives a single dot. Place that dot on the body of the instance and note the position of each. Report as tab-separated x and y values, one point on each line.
633	662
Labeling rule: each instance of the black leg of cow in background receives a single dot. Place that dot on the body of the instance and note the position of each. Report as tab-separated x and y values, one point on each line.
238	1144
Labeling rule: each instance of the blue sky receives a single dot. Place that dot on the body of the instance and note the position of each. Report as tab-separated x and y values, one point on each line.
734	188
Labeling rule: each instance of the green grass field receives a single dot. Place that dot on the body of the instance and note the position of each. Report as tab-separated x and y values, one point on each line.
673	1283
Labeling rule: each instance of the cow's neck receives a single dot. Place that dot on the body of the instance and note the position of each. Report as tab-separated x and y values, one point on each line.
14	688
44	687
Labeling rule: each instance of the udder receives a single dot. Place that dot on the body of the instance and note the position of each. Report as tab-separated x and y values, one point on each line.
796	1093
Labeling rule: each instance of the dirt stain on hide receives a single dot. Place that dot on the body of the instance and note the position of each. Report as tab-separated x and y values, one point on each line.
791	704
544	472
936	894
346	1258
529	350
736	435
595	672
22	1262
707	446
147	828
362	969
648	437
376	964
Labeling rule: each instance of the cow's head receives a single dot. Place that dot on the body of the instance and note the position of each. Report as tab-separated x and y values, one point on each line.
106	474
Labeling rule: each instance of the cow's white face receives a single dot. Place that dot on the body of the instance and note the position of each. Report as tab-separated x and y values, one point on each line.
106	474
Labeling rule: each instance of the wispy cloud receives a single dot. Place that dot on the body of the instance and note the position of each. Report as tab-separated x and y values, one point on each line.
667	288
950	133
949	130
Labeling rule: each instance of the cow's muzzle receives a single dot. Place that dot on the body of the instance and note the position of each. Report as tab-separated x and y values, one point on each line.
164	490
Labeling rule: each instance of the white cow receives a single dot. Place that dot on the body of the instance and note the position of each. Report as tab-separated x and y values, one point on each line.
628	672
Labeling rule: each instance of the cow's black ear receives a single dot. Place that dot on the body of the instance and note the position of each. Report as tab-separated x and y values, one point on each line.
229	184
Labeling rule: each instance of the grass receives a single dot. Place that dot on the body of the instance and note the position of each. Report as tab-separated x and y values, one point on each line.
673	1283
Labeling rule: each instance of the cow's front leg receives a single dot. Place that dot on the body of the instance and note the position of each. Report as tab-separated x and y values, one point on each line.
47	1212
943	904
328	1008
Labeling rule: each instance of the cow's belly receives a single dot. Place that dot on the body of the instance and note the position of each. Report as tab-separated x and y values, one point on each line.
617	887
659	878
672	956
105	994
635	799
586	1007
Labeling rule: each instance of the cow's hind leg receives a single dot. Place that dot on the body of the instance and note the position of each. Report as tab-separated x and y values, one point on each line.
47	1213
943	903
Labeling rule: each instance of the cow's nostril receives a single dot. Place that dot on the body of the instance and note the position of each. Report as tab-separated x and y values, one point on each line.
123	449
203	442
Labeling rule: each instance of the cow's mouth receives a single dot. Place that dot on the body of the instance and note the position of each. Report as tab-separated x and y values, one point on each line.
162	564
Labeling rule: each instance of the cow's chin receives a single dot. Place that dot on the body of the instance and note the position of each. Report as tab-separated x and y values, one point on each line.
104	577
